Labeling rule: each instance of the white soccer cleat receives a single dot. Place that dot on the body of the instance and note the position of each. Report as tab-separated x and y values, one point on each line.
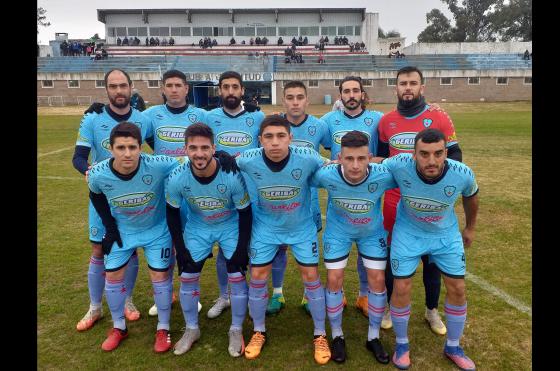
187	340
219	306
153	311
432	317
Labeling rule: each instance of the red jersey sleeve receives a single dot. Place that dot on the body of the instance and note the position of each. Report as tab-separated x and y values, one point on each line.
448	129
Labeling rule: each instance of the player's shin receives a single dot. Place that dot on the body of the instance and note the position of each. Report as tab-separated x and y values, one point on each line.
131	273
334	307
258	297
239	299
115	290
96	281
316	297
189	296
456	316
222	274
162	297
376	309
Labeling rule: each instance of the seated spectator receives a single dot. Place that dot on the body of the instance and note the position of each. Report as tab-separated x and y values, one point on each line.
280	41
147	41
242	42
232	41
300	41
152	41
321	59
287	60
258	41
305	40
326	39
336	40
119	41
157	41
294	40
104	54
251	41
264	41
526	55
317	46
171	41
321	40
351	47
214	42
363	46
125	41
257	54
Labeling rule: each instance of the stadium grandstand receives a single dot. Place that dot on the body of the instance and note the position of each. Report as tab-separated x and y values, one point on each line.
454	72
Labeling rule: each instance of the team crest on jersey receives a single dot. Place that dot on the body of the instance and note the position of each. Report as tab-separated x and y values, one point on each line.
105	143
94	231
133	199
252	253
449	190
312	130
353	205
147	179
427	122
392	125
221	188
192	117
279	193
249	121
105	127
395	264
159	116
296	174
424	204
337	122
186	189
372	187
368	121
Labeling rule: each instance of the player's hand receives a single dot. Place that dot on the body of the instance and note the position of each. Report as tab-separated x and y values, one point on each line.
87	172
331	162
250	107
240	259
468	236
227	162
111	236
95	107
435	107
184	260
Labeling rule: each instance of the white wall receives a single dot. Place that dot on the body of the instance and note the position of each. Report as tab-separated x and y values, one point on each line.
46	51
468	48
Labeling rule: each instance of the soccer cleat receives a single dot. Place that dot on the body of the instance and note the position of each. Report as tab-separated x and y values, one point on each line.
362	305
219	306
163	341
386	322
153	310
114	338
92	316
187	340
437	326
130	311
339	349
275	304
457	356
401	357
305	305
236	345
253	349
322	350
375	346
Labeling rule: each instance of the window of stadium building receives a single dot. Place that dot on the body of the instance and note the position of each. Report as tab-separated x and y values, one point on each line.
357	30
528	80
328	31
244	31
153	83
180	31
159	31
121	31
345	30
501	81
473	80
392	82
137	31
47	84
309	31
313	83
203	31
446	81
73	83
266	31
337	83
367	82
99	84
288	31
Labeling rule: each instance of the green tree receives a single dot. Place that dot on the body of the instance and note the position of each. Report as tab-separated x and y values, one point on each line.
438	30
42	18
514	20
392	33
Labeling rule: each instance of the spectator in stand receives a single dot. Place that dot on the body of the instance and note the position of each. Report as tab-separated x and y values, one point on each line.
336	40
321	40
164	41
363	46
280	41
287	60
243	42
125	41
89	50
326	39
294	40
152	41
104	54
251	41
305	41
264	41
214	42
232	41
345	39
321	59
119	41
258	41
300	41
351	47
157	41
171	41
147	41
526	55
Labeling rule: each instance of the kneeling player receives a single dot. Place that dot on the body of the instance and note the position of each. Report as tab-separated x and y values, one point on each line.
219	211
127	191
354	215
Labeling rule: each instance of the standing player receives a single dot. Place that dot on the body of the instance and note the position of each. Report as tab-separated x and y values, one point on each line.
93	136
128	193
235	131
355	188
397	130
426	224
167	130
281	174
219	211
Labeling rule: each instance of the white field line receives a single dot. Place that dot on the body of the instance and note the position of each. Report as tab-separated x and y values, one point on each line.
53	152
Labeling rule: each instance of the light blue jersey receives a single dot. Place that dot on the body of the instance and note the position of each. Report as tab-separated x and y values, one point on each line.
168	129
427	208
95	130
340	123
235	134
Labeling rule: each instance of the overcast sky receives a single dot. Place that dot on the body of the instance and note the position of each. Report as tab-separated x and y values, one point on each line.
79	19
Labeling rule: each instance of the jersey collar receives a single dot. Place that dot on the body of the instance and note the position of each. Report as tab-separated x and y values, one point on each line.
233	116
208	179
124	177
177	111
276	166
354	117
115	116
300	124
436	180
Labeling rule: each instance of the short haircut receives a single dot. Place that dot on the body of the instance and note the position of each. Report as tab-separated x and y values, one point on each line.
274	120
199	130
430	136
174	73
117	69
125	129
295	84
354	139
230	75
358	79
410	69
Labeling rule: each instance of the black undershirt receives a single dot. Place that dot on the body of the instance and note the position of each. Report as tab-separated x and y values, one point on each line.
276	166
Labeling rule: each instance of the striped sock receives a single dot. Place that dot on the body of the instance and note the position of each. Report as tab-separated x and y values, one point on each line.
189	296
258	299
335	307
400	317
239	299
115	291
456	316
96	280
376	309
315	293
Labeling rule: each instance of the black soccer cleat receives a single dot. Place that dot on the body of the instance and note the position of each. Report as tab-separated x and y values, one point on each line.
338	349
374	346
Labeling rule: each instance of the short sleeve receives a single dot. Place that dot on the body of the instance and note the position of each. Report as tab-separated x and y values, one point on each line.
471	186
239	193
173	194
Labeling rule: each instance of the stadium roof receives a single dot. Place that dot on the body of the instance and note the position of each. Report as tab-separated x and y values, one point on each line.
101	13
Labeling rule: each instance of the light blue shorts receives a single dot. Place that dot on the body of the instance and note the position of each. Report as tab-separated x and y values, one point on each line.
305	252
372	249
96	228
200	241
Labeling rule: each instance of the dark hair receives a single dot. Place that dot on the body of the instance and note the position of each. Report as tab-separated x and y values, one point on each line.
429	136
295	84
358	79
125	129
354	139
117	69
199	130
174	73
230	75
274	120
410	69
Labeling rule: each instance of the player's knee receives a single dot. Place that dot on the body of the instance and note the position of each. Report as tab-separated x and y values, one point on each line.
308	274
260	273
335	279
159	275
96	250
376	280
456	290
402	287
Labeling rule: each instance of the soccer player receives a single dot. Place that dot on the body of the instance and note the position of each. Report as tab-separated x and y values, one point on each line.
308	132
426	224
93	136
167	130
397	130
354	117
281	174
219	211
355	188
128	193
235	131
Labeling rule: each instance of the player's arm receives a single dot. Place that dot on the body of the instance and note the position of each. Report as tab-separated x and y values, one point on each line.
454	152
240	257
112	235
446	126
470	205
83	145
80	159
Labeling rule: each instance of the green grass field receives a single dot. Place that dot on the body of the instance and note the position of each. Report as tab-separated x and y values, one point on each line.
496	144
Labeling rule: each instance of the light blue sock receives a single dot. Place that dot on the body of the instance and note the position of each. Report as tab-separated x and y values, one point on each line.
162	297
335	307
131	273
221	272
456	316
376	309
362	276
239	299
189	296
258	299
279	267
96	280
115	291
315	293
400	317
